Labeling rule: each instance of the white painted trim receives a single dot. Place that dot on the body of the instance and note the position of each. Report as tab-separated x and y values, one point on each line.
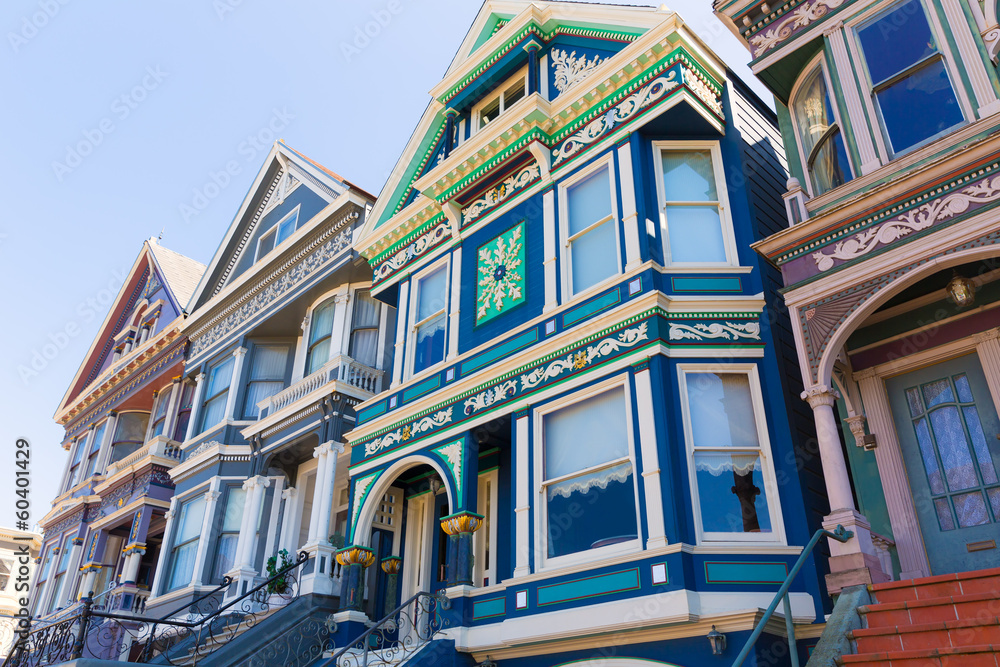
972	62
499	92
451	351
630	216
402	317
411	326
523	542
872	156
481	536
549	225
650	460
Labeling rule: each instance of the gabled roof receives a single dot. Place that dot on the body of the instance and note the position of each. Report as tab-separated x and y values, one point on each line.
281	163
176	274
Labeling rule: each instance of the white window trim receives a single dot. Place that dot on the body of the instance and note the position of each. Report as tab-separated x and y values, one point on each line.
349	321
777	534
565	255
302	346
480	537
411	323
867	87
162	394
820	62
182	499
725	218
500	93
207	369
274	230
543	562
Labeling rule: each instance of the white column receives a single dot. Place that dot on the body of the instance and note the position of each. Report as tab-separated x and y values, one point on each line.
321	454
289	524
522	493
630	217
340	338
195	417
255	487
895	483
333	449
211	500
838	485
402	317
272	534
173	407
132	561
550	232
456	300
855	108
650	461
988	348
168	536
240	354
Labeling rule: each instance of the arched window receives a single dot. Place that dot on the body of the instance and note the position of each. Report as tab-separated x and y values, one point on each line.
820	138
320	332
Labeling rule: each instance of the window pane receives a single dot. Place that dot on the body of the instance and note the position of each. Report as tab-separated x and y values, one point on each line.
489	112
318	355
286	227
694	234
131	427
731	493
214	411
366	311
225	557
812	111
257	392
269	362
982	450
688	176
234	510
219	377
896	41
265	245
363	346
78	447
589	200
927	90
722	410
192	516
594	256
162	400
592	511
585	434
513	94
945	519
964	390
182	567
938	392
429	348
322	322
431	293
971	509
954	449
931	467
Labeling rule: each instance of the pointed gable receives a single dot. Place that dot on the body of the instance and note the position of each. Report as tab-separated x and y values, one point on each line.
289	190
154	292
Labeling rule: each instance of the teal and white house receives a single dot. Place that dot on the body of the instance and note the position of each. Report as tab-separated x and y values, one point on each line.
588	438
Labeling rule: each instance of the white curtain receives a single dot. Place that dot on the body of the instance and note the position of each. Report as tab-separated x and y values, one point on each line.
722	413
364	329
595	480
586	434
719	463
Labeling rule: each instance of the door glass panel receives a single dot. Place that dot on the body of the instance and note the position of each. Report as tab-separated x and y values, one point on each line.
936	393
930	459
943	509
971	509
994	495
964	390
986	468
954	448
913	400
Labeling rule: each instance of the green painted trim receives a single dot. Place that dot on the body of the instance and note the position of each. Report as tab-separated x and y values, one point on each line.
795	166
486	358
730	572
702	284
424	387
850	132
588	587
372	411
405	240
413	173
488	608
592	307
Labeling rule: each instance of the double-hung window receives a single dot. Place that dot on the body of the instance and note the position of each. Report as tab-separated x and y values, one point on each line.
267	376
496	104
364	329
185	548
429	317
159	417
276	234
95	448
732	477
910	86
58	598
130	433
588	481
320	335
820	140
591	229
694	217
229	536
184	411
219	378
79	445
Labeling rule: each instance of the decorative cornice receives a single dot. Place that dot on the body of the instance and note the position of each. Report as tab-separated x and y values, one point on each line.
801	18
409	253
724	330
500	193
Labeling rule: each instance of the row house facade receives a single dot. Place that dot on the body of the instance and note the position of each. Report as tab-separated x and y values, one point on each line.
124	414
589	441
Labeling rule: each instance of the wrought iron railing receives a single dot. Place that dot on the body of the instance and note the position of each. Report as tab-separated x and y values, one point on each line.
841	535
394	639
183	637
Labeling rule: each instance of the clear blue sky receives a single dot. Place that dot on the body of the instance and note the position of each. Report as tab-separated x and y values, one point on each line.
167	93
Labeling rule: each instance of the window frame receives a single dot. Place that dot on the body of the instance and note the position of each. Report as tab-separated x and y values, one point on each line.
225	357
725	217
229	488
275	229
777	535
76	459
329	298
499	94
819	62
411	307
163	395
189	498
566	242
867	86
543	561
96	447
248	381
351	329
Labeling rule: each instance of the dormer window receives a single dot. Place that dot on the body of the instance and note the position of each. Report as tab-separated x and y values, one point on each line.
497	103
277	234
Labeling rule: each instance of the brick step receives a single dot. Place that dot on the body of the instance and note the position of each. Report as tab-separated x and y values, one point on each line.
969	656
962	583
979	607
954	634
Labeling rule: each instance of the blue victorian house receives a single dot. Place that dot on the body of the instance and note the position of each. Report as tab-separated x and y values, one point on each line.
590	441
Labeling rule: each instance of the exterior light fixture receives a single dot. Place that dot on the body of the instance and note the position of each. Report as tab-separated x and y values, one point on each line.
435	486
487	663
718	641
961	291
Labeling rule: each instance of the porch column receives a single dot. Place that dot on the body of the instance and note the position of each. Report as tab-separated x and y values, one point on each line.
240	354
353	560
289	524
243	573
854	562
318	579
131	570
460	528
199	393
211	501
988	348
898	497
391	566
522	493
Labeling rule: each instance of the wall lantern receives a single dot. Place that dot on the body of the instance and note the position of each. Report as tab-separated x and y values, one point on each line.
717	640
961	291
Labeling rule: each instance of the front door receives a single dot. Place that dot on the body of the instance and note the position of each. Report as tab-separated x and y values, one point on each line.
948	431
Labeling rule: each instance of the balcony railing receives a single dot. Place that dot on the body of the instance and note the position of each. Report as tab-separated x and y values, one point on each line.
158	446
341	368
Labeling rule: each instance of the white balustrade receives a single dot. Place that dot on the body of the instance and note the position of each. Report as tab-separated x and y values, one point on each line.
349	371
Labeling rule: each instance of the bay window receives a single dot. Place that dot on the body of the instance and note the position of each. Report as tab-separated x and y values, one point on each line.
95	448
268	367
588	476
79	445
429	318
185	547
130	433
908	77
732	477
821	142
159	417
590	229
363	346
184	406
56	600
694	215
320	336
218	379
229	536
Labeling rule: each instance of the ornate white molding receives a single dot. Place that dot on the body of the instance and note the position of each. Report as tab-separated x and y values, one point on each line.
915	220
702	90
425	241
801	17
820	395
986	336
453	454
857	426
204	446
360	490
485	399
501	192
724	330
570	69
409	431
579	360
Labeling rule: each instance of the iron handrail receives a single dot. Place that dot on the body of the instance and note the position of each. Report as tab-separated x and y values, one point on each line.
841	535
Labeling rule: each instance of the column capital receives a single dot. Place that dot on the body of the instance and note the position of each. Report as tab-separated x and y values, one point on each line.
461	522
356	556
212	496
832	28
254	482
330	446
290	493
392	564
820	395
168	515
199	378
865	374
986	336
857	426
239	352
